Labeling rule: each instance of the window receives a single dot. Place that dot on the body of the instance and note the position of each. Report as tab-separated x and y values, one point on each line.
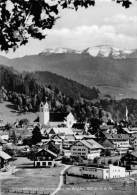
49	163
38	164
44	163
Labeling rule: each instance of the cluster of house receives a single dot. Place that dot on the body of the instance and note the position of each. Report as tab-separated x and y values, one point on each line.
70	139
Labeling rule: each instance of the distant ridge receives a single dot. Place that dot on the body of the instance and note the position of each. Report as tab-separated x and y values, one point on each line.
112	70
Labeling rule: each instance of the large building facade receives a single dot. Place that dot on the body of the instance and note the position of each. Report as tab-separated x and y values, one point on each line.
88	149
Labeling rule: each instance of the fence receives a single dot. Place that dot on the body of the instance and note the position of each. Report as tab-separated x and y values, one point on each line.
25	191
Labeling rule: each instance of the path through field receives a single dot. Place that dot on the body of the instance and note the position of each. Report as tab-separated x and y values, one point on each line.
61	180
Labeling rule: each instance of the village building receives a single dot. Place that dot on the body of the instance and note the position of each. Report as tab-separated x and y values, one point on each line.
4	158
108	128
98	172
2	141
4	135
57	138
44	158
51	119
58	141
109	147
120	141
130	130
68	141
104	173
88	149
129	160
84	136
60	131
133	141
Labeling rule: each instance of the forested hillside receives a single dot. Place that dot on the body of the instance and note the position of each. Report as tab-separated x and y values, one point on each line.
27	90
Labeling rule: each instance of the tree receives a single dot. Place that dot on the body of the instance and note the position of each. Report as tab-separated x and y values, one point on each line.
24	121
36	135
20	20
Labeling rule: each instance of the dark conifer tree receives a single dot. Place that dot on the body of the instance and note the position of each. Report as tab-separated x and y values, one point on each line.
36	135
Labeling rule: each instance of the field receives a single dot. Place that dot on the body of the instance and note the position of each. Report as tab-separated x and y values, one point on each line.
29	178
9	115
80	186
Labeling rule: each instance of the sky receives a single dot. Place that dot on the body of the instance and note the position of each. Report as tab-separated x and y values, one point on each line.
107	23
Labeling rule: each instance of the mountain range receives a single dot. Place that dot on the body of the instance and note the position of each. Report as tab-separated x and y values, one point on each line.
112	70
96	51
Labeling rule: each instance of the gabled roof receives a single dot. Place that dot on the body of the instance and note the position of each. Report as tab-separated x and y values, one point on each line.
106	143
130	130
2	141
134	153
91	144
79	137
11	146
54	136
69	137
4	155
47	150
62	130
117	136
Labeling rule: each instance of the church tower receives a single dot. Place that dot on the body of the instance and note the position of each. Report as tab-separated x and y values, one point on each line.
44	114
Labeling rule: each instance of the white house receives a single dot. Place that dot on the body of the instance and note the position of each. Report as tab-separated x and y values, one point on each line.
104	173
89	149
44	158
109	172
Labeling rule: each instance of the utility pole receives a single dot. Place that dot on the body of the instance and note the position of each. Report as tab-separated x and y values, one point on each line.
64	178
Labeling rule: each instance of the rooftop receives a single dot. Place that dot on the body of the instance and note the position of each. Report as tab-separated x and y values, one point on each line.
91	144
117	136
4	155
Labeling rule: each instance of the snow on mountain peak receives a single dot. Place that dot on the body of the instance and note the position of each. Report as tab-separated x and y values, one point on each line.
108	51
95	51
102	51
59	50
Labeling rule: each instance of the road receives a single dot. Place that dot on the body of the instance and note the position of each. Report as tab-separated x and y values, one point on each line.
61	180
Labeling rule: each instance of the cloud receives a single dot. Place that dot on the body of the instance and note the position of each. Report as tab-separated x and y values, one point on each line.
121	18
86	36
79	38
123	24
